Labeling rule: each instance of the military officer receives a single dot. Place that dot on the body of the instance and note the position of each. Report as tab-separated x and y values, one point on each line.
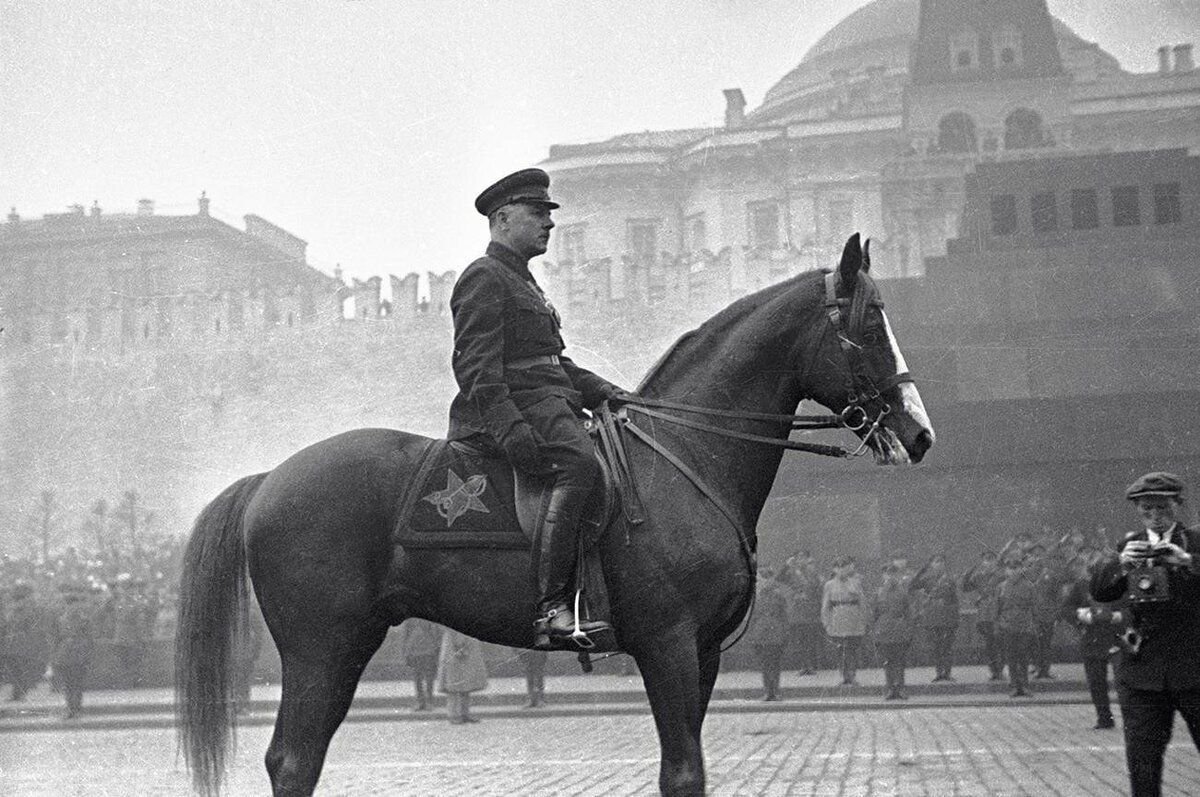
1156	569
518	391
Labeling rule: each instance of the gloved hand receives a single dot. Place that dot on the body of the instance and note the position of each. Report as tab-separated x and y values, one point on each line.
618	396
522	446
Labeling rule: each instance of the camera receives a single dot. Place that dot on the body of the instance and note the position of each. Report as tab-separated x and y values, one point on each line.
1131	641
1148	584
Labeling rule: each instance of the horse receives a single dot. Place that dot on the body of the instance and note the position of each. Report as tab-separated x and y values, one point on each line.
314	535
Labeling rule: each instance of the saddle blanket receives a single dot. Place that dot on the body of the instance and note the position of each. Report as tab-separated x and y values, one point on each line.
459	499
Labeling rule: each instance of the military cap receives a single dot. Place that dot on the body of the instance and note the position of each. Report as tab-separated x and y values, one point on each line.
1156	483
528	185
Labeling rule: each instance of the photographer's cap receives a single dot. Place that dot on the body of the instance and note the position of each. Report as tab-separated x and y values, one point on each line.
1156	483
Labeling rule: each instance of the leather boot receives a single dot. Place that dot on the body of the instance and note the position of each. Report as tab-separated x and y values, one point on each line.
554	570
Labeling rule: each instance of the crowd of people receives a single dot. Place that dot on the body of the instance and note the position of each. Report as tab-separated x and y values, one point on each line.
1016	597
73	609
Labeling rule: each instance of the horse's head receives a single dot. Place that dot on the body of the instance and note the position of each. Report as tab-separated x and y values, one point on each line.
866	378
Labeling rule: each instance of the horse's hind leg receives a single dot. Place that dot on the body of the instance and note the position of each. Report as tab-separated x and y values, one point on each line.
318	686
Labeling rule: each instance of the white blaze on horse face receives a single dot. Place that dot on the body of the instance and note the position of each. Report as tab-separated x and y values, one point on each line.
910	398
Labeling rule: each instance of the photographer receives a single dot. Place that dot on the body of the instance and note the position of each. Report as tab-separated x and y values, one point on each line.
1158	674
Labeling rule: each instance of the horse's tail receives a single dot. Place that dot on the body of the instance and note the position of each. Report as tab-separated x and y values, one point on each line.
212	618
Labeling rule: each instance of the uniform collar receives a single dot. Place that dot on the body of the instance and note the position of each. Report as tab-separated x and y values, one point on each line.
509	258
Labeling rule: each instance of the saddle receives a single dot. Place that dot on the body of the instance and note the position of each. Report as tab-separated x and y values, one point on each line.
468	496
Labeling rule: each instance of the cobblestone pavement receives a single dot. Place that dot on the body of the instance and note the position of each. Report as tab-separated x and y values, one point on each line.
1008	750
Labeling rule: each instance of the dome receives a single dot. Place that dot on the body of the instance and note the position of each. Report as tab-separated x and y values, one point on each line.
879	35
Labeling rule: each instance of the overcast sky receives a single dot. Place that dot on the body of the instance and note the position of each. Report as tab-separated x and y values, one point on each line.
367	127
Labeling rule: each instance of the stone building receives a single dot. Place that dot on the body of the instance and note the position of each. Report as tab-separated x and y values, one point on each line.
874	130
172	353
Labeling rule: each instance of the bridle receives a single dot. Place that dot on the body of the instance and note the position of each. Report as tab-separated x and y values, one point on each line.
861	389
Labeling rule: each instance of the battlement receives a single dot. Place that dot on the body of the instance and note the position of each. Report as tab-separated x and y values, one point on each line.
124	323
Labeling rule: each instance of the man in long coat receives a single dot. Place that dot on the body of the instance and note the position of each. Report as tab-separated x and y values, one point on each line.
74	637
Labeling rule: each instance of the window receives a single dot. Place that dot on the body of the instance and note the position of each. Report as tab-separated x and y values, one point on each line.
695	232
1125	206
964	51
1006	45
572	247
1085	214
1004	214
764	224
1166	203
1043	212
1023	129
956	133
643	239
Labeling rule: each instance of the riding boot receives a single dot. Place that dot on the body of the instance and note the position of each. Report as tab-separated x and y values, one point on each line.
556	550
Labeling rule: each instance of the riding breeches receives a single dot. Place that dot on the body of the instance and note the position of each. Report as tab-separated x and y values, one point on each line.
569	462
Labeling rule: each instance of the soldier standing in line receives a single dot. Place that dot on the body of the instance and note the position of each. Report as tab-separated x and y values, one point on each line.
461	671
28	640
940	614
1157	569
768	630
844	615
533	662
804	610
984	580
893	629
74	644
1100	626
1015	620
420	641
1050	579
519	392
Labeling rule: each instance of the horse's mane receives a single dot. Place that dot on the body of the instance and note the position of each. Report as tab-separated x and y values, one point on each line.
716	331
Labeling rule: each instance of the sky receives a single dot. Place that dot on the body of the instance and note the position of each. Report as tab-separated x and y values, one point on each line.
367	127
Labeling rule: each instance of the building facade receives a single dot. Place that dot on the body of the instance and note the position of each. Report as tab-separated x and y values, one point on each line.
875	130
170	354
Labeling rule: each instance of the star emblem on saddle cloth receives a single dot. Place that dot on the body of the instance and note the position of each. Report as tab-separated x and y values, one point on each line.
459	497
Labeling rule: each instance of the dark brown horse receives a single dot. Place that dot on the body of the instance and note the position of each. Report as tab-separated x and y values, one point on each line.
315	534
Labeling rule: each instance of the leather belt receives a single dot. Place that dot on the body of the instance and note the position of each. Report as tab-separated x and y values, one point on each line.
843	603
530	362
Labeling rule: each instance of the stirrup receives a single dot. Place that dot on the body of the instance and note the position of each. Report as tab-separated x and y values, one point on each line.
578	636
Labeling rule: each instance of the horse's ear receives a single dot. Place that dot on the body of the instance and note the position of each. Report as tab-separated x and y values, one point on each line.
852	261
867	255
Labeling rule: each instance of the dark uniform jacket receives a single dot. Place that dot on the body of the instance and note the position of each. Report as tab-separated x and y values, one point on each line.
769	623
984	581
74	635
1015	604
940	609
500	316
1169	657
1097	639
894	613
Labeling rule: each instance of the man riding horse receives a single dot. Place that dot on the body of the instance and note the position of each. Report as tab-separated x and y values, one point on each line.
518	392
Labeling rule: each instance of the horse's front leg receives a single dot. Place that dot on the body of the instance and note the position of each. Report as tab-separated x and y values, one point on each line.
671	673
